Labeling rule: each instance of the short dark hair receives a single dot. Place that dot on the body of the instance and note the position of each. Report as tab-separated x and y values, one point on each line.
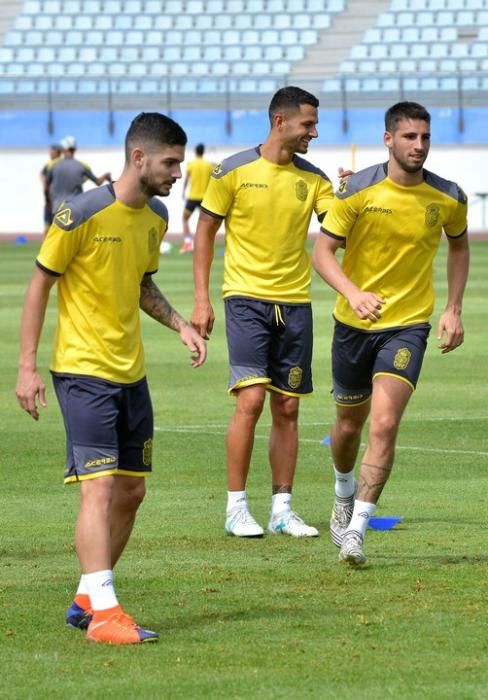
404	110
290	98
199	149
155	129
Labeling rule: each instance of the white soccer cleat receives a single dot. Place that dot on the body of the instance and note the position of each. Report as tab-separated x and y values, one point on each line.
342	511
240	523
352	549
289	523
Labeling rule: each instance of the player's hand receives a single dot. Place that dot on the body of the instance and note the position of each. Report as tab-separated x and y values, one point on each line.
344	174
195	343
30	386
366	305
203	318
450	331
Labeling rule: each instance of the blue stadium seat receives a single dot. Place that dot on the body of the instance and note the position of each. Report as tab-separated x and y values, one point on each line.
378	51
221	68
116	69
448	83
407	65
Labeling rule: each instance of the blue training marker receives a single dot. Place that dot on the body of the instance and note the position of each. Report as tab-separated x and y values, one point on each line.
384	523
326	440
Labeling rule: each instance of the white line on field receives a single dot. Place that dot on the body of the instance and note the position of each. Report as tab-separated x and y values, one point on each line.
200	429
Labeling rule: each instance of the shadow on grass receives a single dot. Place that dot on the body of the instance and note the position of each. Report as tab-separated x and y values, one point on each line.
446	559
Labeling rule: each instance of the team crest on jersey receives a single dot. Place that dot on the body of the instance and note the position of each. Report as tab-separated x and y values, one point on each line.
295	377
301	190
342	187
218	169
152	239
432	214
147	452
64	217
402	358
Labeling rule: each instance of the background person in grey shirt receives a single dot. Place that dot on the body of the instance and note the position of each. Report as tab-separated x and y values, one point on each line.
66	176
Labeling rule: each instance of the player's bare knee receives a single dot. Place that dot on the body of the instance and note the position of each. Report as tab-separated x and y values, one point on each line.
284	408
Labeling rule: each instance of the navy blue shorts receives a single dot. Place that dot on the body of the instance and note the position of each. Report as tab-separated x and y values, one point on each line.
269	343
109	427
192	204
358	357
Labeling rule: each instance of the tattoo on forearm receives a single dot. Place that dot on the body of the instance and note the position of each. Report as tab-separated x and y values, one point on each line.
371	483
155	304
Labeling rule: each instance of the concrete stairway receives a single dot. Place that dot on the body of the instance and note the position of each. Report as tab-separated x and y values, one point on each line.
9	9
323	59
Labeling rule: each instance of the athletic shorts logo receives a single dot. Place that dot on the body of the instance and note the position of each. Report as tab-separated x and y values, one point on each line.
64	217
301	190
432	214
152	239
295	377
100	462
147	453
402	358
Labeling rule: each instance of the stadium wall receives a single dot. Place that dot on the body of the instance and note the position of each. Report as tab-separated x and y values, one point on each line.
22	199
31	129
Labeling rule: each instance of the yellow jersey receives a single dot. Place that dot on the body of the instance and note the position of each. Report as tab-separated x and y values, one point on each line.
199	171
267	210
101	249
392	234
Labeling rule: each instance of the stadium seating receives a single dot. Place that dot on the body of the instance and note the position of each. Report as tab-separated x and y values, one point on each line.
423	45
207	46
136	43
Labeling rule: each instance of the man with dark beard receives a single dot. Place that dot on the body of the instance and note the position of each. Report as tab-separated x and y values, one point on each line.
103	248
390	218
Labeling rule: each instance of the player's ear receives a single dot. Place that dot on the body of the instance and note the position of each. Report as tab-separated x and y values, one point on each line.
278	120
387	139
137	156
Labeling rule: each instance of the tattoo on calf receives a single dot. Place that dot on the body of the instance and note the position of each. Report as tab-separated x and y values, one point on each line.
371	485
281	488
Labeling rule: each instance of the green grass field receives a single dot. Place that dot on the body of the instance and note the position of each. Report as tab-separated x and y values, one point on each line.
271	618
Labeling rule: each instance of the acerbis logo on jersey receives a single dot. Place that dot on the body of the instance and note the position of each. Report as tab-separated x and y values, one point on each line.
377	210
253	185
64	217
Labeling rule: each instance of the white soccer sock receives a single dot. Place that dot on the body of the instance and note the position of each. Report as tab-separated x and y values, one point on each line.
360	517
236	499
344	483
280	502
82	588
101	589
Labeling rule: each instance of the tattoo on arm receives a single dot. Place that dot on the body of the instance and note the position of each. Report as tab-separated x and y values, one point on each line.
373	479
155	304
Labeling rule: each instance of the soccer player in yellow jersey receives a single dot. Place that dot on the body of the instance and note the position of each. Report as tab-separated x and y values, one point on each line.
55	151
266	196
198	173
102	249
390	218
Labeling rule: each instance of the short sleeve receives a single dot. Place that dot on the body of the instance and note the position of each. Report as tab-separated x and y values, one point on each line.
58	249
219	195
458	222
325	197
341	217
